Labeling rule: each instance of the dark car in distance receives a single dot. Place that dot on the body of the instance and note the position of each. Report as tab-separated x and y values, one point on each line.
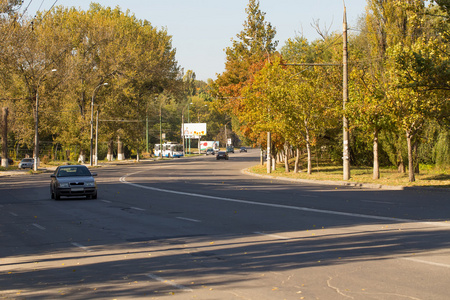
230	149
73	181
243	149
210	151
222	155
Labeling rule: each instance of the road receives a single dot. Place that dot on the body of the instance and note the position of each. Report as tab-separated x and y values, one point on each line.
200	229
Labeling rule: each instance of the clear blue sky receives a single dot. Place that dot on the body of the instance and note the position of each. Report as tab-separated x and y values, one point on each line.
202	29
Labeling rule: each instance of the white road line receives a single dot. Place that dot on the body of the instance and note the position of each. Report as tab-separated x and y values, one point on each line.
82	247
106	201
13	214
273	235
137	208
188	219
426	262
320	211
39	226
379	202
168	282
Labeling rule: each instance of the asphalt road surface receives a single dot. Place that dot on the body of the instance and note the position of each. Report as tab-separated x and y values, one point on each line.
200	229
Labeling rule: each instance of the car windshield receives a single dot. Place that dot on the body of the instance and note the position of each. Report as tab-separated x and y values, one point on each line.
73	171
27	160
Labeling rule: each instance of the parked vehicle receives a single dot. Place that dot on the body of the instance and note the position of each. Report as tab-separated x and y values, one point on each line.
222	155
73	181
210	151
26	163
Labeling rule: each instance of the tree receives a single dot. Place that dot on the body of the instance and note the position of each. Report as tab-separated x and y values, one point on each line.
9	7
88	48
392	28
254	45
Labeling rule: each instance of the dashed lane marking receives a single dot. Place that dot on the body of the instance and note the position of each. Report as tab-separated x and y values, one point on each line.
189	219
274	205
39	226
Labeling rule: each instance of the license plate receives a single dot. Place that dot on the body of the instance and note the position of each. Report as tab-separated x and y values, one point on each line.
77	189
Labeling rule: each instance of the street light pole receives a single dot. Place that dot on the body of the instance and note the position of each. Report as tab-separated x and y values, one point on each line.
160	131
96	140
36	126
346	154
36	132
92	119
189	104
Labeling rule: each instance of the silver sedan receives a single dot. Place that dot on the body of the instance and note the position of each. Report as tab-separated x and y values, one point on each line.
73	181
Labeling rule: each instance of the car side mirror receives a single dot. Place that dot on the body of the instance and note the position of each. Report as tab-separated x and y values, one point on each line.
94	174
53	176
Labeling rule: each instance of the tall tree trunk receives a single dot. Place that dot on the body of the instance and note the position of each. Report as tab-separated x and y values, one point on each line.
400	162
416	156
376	166
120	155
308	149
286	157
262	157
110	155
297	159
410	157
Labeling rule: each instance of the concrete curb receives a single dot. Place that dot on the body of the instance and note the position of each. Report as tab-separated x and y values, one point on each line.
349	184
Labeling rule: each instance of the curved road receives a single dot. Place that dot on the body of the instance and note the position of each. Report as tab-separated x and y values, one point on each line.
200	229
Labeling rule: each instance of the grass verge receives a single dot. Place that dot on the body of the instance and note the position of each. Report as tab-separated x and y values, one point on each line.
431	177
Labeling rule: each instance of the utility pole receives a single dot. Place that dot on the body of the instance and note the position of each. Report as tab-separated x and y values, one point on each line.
269	160
346	154
4	162
36	132
96	140
160	131
146	131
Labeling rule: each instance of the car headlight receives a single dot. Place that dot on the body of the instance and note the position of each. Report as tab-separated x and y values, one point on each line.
89	184
64	185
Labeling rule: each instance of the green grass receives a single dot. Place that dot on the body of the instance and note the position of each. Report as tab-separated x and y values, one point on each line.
428	176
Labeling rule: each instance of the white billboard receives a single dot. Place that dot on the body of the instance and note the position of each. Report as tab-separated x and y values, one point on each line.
193	130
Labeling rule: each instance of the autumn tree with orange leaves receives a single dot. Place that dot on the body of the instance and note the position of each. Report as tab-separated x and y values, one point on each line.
248	54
